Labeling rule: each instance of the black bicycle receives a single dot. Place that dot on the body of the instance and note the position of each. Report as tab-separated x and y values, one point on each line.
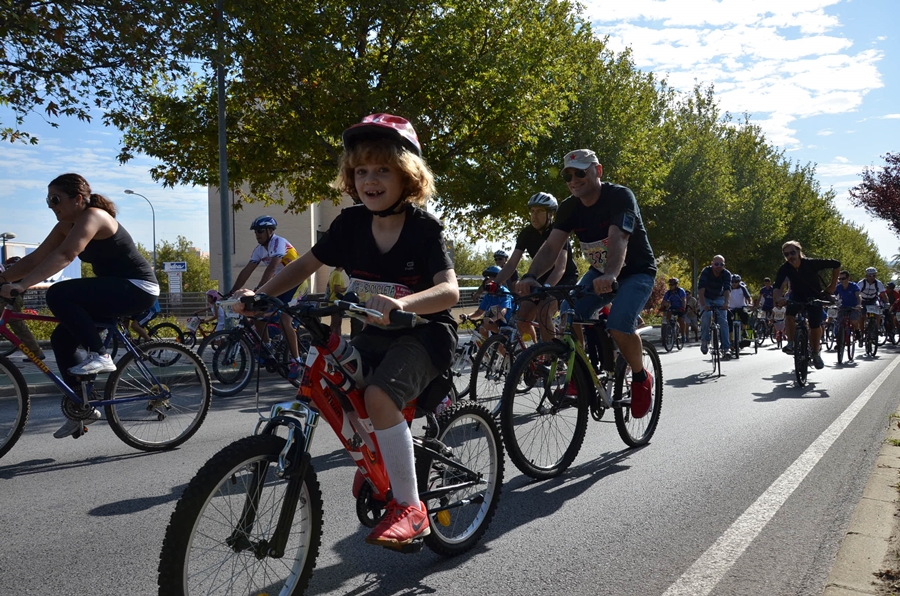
715	341
803	354
670	331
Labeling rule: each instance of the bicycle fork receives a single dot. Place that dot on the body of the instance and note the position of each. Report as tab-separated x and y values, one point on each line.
293	463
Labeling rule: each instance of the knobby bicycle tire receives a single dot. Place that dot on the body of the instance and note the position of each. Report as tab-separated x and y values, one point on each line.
206	551
158	422
490	370
543	428
637	431
801	355
460	518
15	404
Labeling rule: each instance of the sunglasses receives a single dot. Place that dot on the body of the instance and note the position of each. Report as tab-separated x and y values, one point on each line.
718	264
567	176
53	200
790	253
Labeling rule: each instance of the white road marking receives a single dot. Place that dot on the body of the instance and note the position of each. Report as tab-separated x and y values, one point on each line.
711	567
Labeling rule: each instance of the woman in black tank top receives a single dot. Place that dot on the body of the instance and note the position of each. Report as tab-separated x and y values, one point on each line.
124	284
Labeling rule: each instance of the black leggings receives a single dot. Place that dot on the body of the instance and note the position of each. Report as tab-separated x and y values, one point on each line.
78	302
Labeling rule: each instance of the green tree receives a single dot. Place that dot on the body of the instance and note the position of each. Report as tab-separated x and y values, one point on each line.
195	279
67	57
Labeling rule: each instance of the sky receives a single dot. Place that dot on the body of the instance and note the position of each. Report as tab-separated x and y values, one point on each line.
820	77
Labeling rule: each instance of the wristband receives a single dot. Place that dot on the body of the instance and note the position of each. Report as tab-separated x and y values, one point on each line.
529	276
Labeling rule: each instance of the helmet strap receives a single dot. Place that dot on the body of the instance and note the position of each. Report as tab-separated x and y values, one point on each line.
390	210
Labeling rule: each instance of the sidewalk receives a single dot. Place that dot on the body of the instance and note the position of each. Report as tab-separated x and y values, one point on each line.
871	543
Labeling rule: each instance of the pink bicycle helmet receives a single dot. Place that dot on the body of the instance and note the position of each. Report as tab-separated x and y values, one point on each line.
214	294
384	125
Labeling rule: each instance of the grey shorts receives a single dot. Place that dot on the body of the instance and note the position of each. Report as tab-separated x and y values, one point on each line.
401	367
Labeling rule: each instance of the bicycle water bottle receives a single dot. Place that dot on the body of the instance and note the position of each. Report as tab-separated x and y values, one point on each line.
345	354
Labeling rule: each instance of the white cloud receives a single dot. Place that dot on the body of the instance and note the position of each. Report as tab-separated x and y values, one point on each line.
840	159
825	132
891	117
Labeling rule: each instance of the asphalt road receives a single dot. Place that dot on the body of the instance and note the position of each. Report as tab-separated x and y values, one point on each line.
747	488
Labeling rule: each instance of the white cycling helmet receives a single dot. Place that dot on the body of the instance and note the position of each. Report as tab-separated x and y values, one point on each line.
871	270
545	200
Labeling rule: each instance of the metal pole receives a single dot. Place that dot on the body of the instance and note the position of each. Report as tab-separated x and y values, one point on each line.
153	212
224	208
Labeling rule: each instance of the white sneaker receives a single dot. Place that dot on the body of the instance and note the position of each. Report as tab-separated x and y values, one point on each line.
95	363
74	426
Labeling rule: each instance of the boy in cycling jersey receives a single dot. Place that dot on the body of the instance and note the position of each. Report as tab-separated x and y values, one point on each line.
275	253
394	254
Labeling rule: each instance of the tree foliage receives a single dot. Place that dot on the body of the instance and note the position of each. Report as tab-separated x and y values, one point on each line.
68	57
879	191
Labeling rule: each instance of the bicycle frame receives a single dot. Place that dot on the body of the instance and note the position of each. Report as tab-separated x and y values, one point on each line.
10	315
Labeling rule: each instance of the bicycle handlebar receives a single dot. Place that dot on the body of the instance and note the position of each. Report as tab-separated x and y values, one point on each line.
262	302
575	291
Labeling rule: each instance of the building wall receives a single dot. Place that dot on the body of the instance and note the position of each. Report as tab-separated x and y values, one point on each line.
301	230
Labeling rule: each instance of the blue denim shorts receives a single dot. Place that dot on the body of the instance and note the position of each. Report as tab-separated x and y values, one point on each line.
629	301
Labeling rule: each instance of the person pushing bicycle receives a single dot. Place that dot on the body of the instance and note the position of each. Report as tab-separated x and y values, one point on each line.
607	221
395	256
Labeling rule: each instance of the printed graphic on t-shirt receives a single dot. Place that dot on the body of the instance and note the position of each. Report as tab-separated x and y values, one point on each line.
778	313
366	289
595	253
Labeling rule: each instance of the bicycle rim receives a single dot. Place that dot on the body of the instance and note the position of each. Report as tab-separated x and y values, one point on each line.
543	427
14	405
197	558
458	519
668	337
490	370
801	353
177	398
461	367
638	431
839	341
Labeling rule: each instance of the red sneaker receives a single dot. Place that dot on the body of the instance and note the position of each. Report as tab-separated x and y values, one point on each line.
400	525
641	398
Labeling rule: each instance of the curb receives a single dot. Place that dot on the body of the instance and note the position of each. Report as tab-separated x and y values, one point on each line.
873	527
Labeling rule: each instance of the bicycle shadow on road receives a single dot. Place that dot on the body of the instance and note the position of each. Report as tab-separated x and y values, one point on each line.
39	466
129	506
522	501
689	380
785	387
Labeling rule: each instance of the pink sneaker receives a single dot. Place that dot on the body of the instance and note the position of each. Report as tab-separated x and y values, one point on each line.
400	525
641	398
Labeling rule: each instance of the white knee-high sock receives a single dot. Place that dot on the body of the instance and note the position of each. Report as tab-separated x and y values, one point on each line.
396	448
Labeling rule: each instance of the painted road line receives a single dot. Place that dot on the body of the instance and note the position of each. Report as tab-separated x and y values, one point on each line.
711	567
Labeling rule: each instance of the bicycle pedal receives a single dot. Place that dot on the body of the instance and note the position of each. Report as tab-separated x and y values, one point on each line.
413	547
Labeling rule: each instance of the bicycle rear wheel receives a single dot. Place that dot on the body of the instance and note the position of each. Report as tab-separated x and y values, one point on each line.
169	331
461	367
217	540
544	424
490	369
14	405
801	355
177	397
637	431
460	517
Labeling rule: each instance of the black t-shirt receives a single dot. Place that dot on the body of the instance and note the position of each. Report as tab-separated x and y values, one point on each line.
530	240
408	267
805	281
616	206
117	256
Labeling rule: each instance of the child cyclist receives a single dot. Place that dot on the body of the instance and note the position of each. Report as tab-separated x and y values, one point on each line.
395	257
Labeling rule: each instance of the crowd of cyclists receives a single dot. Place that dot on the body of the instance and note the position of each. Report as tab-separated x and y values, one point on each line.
391	254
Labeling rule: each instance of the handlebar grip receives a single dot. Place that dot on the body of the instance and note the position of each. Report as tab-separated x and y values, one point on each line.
401	318
15	293
256	302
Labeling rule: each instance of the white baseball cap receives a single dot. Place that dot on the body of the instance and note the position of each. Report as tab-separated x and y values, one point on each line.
581	159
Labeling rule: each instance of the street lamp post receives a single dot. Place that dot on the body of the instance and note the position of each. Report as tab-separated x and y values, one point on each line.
153	211
5	236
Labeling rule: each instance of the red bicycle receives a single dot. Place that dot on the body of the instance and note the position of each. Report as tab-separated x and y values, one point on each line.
252	516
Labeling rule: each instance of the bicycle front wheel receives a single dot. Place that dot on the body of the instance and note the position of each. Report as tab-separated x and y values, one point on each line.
668	337
219	536
801	355
230	360
14	405
177	397
542	415
839	343
169	331
638	431
461	368
760	332
460	517
490	369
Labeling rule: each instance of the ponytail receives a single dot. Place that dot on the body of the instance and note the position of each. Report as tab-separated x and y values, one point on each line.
101	202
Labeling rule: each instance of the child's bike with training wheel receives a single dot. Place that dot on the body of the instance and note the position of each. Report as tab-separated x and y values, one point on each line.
250	521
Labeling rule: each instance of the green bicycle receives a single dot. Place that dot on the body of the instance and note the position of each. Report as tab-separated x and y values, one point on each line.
552	386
